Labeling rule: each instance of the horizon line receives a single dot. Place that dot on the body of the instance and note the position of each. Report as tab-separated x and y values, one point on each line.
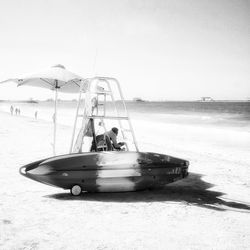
127	100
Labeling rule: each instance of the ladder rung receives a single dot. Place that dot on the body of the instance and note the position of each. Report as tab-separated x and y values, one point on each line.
103	93
108	117
126	130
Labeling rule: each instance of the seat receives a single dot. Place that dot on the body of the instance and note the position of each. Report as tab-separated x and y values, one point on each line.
103	143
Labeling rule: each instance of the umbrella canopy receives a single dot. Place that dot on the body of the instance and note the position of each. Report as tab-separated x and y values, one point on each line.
56	78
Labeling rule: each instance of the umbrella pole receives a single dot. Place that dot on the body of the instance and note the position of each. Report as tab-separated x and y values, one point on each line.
55	121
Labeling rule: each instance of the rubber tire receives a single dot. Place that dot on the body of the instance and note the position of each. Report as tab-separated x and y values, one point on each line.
76	190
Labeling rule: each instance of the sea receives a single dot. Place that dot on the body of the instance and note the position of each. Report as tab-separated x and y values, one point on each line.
234	114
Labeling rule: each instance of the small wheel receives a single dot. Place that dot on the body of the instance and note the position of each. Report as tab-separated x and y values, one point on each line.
76	190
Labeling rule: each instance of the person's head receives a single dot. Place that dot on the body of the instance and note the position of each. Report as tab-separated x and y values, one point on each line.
115	130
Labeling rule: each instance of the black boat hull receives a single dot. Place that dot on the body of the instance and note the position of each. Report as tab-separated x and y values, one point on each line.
108	171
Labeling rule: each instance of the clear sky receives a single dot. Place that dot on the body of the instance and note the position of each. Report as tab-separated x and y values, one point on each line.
158	49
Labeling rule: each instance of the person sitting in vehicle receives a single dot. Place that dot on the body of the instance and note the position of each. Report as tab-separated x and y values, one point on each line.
112	135
108	141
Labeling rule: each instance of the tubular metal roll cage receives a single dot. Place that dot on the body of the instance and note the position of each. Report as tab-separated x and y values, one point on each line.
86	88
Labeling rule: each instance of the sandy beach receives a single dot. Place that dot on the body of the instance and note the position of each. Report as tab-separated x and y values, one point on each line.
208	210
179	70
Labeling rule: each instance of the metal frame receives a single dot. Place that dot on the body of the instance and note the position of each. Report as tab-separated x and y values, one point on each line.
108	81
77	112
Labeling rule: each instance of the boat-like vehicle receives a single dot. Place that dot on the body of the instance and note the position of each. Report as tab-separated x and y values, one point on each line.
94	167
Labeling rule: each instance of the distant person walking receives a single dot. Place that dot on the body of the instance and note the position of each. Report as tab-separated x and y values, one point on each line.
36	115
11	110
16	111
54	118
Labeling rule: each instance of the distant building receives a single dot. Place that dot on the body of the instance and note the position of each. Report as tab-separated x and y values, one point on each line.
138	99
31	101
206	99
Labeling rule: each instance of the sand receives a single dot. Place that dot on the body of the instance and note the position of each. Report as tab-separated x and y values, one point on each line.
208	210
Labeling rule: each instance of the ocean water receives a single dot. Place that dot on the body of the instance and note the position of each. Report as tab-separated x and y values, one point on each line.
230	114
235	114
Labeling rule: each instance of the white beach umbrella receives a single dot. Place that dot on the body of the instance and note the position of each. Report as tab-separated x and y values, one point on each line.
56	78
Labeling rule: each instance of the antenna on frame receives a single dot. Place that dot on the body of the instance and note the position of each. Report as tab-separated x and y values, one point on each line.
94	64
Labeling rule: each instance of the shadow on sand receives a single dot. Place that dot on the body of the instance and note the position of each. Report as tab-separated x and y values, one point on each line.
192	190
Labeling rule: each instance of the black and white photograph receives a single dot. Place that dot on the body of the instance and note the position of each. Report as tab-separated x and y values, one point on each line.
124	124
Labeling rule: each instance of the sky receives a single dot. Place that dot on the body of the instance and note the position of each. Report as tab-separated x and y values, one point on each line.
157	49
